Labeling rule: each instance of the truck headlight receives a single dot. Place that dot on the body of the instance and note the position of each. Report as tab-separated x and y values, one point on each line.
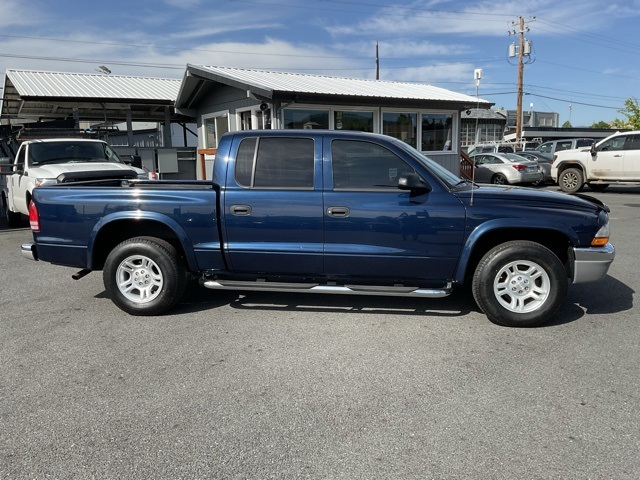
45	181
602	235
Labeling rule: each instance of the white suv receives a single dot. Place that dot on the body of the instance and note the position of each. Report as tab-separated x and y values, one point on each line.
616	159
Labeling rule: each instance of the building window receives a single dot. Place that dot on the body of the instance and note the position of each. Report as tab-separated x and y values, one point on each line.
275	163
214	128
306	118
402	126
436	131
353	120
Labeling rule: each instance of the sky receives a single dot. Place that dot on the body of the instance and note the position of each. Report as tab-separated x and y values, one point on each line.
584	62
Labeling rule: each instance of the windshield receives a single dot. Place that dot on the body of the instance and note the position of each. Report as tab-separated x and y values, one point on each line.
71	152
444	175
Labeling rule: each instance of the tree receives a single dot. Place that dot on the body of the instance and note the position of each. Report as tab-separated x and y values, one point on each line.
601	124
567	124
631	110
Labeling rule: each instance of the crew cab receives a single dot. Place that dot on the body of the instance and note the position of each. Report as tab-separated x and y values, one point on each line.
616	159
331	212
41	162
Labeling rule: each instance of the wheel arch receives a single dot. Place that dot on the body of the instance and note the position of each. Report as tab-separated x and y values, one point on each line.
110	232
570	164
480	242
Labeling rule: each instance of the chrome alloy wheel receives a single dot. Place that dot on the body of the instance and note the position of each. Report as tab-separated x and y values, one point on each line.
521	286
139	279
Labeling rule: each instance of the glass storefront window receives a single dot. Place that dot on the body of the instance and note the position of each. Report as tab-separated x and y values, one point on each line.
436	132
352	120
214	128
306	118
402	126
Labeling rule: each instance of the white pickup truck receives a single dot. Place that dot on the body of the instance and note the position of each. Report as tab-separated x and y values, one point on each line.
54	160
616	159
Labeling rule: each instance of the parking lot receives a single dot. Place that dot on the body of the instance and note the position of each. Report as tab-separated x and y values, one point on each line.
271	385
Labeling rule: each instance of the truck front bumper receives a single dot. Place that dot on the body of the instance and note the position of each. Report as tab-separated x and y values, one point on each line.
591	264
29	251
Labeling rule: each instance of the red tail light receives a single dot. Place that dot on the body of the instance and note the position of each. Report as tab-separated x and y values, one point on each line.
520	168
34	218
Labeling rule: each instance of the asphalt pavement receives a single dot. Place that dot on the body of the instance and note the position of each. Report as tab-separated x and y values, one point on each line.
271	385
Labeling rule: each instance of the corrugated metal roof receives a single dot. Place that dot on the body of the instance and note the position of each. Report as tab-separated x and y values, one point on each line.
326	85
30	83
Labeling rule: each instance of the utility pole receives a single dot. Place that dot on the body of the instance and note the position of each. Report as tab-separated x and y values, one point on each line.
523	50
377	63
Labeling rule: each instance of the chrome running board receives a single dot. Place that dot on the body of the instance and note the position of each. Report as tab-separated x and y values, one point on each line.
391	290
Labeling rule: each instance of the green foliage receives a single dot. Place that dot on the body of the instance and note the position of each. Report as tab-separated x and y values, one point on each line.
601	124
632	112
567	124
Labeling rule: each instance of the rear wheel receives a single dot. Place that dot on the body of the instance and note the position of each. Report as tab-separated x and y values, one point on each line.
571	180
519	284
144	276
499	179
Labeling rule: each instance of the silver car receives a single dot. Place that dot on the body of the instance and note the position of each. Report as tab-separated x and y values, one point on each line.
544	160
505	168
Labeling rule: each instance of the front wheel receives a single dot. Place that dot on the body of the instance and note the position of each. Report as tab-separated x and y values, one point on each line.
144	276
571	180
519	284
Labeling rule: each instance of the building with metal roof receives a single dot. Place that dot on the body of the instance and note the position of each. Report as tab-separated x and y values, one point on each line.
228	99
39	95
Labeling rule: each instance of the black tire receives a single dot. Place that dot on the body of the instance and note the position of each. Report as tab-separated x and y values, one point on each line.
519	284
598	187
571	180
144	276
14	219
499	179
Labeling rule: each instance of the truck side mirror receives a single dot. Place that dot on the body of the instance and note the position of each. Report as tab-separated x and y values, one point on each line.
594	150
136	161
412	181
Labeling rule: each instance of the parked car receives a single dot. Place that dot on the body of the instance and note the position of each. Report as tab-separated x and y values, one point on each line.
505	168
553	146
543	160
616	159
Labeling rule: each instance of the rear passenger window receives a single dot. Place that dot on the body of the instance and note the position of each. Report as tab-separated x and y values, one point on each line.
365	166
269	162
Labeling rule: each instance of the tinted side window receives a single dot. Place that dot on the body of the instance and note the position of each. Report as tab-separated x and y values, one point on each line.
364	165
633	142
564	145
275	163
583	142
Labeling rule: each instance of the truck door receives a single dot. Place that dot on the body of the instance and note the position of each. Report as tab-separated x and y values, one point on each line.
375	230
631	162
608	163
18	191
273	205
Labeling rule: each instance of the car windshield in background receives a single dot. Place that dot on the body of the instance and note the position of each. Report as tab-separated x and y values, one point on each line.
65	152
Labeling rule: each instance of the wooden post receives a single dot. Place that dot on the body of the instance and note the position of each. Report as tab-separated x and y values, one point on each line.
202	152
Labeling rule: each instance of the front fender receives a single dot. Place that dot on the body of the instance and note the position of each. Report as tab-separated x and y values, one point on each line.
165	220
505	227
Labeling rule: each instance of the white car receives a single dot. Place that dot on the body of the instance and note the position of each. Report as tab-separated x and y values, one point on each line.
616	159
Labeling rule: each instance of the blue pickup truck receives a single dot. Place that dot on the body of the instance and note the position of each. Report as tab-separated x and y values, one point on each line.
330	212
